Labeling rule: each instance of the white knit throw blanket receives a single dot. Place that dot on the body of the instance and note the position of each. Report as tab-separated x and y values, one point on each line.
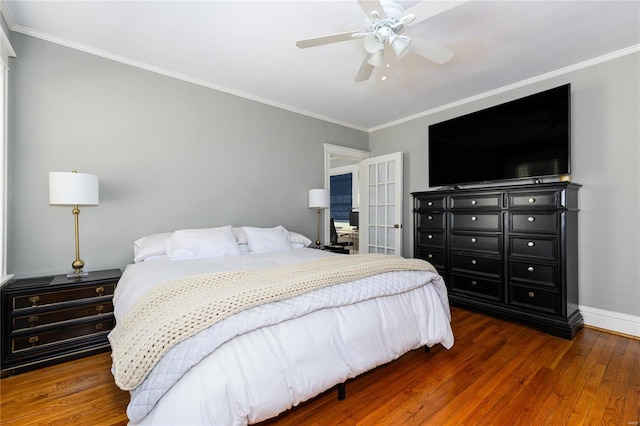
175	310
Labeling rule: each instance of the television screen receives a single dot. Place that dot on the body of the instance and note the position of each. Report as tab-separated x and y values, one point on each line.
524	138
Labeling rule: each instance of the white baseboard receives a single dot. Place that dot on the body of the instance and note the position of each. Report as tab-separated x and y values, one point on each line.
609	320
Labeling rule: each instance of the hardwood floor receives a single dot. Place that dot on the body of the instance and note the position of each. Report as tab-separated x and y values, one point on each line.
497	373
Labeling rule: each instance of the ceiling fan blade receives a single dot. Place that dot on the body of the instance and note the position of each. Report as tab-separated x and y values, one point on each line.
365	69
370	6
432	51
426	9
333	38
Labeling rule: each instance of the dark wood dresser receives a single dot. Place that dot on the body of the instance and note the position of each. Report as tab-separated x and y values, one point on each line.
511	251
48	320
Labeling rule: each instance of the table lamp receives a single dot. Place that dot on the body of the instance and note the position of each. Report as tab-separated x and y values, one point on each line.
319	199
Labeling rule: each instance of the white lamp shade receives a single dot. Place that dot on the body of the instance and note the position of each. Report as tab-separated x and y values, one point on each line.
400	46
70	188
376	59
319	199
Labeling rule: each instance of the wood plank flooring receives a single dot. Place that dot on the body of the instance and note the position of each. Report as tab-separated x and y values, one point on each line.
497	373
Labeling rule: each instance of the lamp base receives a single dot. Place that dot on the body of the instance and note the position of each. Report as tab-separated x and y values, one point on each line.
77	273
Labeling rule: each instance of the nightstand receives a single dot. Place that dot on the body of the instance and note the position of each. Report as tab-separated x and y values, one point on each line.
48	320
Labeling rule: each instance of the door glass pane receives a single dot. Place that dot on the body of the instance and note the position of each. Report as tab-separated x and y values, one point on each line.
391	251
381	216
381	239
392	170
380	250
391	215
381	194
372	173
391	193
372	216
372	194
391	237
381	173
372	235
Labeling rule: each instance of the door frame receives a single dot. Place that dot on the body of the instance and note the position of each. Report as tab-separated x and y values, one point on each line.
356	155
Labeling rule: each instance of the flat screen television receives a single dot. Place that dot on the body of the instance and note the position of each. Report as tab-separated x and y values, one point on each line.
528	138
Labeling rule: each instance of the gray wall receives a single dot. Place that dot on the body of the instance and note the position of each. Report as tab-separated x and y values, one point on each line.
169	155
605	160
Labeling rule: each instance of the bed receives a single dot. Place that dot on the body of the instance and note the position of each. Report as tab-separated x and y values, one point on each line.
285	323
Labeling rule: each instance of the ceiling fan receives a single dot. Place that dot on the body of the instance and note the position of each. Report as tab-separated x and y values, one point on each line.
384	25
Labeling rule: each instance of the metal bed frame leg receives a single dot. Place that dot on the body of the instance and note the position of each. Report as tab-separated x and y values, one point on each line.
341	391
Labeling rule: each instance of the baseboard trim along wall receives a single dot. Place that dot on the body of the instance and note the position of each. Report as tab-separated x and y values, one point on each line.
609	320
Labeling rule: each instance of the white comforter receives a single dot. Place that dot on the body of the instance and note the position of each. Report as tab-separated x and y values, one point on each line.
260	362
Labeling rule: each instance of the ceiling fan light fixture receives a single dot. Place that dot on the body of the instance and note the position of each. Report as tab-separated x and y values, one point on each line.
371	43
376	59
401	45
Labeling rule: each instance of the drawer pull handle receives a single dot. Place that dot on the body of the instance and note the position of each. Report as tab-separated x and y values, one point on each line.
33	340
474	240
430	256
430	217
473	262
531	244
474	283
430	236
474	202
99	326
532	200
34	301
532	294
99	309
474	218
33	319
530	269
100	290
429	203
531	218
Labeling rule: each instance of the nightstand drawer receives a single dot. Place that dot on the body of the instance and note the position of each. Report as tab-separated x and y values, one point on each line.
37	340
43	298
37	319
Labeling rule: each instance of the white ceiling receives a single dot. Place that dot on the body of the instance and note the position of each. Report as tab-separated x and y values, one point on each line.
248	48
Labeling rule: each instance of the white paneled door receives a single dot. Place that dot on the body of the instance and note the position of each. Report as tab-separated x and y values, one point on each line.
381	195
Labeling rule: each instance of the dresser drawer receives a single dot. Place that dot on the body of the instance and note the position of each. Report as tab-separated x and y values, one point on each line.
43	298
436	258
480	287
534	222
535	273
430	202
477	221
534	298
533	199
491	244
478	201
534	247
30	341
430	238
431	220
36	319
477	264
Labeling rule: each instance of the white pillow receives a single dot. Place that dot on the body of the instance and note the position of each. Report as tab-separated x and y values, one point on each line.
202	244
295	239
262	240
151	246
